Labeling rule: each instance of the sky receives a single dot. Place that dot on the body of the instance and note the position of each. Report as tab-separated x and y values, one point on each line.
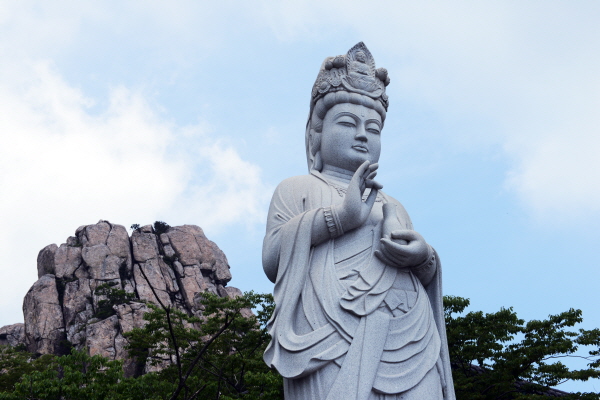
192	112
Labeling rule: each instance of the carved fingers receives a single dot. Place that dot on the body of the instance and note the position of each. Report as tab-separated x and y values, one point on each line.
403	248
354	212
368	175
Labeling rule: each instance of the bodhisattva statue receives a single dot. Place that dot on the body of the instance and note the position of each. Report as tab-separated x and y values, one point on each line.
358	292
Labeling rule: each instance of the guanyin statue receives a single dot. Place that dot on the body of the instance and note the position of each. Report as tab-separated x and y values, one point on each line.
358	292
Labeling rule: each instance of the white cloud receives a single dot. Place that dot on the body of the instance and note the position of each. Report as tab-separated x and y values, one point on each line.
63	164
228	193
558	177
529	71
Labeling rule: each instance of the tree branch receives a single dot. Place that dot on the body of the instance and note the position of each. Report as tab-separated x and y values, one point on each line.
170	326
228	321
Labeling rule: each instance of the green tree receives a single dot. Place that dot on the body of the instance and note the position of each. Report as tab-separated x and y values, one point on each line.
494	356
77	376
111	297
218	356
500	356
16	362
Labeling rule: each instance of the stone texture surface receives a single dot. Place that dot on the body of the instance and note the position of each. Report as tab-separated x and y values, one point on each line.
61	308
44	323
67	260
192	248
357	316
12	335
45	260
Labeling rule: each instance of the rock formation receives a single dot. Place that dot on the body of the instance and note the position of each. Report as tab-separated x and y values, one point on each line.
62	309
12	335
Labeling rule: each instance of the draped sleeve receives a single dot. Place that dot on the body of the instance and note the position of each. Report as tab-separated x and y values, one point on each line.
287	258
289	200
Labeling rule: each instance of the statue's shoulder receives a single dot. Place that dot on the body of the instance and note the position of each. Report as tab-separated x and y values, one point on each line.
299	190
301	183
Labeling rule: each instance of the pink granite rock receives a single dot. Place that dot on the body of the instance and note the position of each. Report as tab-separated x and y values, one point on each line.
62	308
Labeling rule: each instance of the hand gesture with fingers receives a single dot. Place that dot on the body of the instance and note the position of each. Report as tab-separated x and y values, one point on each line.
353	212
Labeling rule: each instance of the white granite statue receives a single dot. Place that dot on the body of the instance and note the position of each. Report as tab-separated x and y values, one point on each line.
358	292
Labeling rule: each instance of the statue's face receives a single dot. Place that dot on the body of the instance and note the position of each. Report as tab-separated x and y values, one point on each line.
351	135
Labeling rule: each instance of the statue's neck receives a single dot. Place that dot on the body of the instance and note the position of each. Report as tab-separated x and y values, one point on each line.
337	174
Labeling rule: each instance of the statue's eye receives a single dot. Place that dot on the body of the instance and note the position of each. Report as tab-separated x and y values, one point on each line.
347	121
373	128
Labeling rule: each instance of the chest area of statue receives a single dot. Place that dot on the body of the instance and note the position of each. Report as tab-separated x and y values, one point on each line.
353	251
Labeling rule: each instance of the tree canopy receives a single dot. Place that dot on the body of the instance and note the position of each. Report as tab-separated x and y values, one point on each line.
500	356
219	356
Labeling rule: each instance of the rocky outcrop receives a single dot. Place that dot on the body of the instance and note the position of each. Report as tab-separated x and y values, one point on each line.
44	322
64	308
12	335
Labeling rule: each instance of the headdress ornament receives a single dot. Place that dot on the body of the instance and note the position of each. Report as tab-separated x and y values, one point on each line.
355	72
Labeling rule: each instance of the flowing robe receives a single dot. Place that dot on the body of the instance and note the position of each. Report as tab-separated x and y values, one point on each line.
345	326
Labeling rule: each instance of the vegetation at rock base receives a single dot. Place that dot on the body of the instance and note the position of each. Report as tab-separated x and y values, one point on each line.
219	356
16	363
216	356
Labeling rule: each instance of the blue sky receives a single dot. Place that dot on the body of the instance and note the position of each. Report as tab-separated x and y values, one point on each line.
192	112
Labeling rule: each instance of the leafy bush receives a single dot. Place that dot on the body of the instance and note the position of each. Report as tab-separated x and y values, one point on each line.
489	362
161	227
78	376
15	362
218	356
113	297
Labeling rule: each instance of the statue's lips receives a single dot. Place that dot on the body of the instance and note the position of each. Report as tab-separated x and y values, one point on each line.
360	148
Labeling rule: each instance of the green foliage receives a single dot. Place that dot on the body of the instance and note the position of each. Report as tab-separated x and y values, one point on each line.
219	356
517	360
15	362
78	376
113	297
134	227
160	227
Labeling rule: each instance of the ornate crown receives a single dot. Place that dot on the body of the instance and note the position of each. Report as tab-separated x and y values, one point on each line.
354	72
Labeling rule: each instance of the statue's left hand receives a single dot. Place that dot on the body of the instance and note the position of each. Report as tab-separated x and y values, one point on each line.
404	248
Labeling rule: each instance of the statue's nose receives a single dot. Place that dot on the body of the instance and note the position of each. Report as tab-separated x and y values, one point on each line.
361	134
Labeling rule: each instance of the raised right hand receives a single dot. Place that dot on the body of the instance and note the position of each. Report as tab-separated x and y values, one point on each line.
353	212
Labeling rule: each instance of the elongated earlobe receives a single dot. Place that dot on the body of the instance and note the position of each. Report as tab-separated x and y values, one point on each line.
314	139
318	164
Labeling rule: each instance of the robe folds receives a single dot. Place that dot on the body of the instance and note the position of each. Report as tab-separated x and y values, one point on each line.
342	329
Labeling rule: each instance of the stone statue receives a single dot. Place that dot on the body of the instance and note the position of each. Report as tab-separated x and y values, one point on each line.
358	292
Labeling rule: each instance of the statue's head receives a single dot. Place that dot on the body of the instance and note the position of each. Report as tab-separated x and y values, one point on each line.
352	80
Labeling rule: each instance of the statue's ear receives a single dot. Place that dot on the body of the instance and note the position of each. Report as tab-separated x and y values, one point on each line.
318	163
315	149
315	141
